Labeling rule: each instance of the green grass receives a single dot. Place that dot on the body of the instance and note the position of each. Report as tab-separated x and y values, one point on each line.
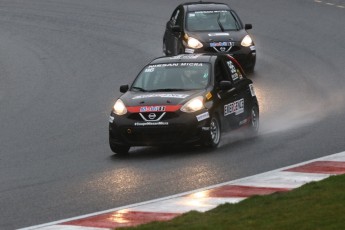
317	205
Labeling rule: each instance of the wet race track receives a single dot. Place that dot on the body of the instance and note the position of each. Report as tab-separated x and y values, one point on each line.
61	65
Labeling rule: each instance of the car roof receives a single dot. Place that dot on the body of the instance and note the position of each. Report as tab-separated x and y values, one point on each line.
186	58
200	6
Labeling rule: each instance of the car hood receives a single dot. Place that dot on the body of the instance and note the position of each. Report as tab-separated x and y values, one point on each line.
206	37
142	99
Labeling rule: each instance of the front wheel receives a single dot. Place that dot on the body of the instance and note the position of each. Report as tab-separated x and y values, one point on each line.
119	150
214	134
254	120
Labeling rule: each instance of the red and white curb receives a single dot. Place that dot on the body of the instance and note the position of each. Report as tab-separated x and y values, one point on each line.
280	180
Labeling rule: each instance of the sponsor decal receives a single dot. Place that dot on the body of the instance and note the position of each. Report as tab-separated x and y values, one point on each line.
162	95
203	116
236	107
163	65
210	11
221	44
111	119
152	109
252	91
185	56
160	123
175	17
218	34
243	122
235	73
191	64
151	68
208	95
189	51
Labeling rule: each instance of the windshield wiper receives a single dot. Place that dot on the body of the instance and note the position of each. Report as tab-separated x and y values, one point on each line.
219	23
139	89
236	22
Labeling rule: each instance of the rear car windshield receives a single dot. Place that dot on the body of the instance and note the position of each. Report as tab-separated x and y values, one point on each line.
173	77
216	20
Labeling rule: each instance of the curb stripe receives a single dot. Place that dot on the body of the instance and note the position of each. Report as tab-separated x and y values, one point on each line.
122	218
329	167
241	191
279	180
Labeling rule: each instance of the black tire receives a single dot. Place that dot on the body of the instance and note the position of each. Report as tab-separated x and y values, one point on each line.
250	70
119	150
214	135
254	120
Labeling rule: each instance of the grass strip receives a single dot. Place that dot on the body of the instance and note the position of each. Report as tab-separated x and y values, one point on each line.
316	205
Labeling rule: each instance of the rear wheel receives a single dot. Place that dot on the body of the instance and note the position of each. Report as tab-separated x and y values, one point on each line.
214	134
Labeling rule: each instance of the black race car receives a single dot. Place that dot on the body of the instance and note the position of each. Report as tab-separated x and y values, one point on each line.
184	99
208	27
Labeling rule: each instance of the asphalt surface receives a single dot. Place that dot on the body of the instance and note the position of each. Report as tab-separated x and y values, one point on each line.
61	65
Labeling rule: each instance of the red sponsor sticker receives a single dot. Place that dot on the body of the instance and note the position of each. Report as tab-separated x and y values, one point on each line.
153	108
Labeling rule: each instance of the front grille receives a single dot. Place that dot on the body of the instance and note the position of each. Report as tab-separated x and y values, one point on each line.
222	49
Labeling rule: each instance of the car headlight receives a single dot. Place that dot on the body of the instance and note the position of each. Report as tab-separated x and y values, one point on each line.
247	41
194	43
119	108
193	105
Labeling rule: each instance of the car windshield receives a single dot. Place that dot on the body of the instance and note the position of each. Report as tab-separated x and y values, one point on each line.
221	20
173	77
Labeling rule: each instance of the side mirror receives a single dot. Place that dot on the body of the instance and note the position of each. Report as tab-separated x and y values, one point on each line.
176	29
248	26
124	88
225	85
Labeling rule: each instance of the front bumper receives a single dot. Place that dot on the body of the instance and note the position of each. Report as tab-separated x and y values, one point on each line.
183	129
246	56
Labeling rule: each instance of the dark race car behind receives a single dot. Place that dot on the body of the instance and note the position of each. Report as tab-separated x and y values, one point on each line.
209	27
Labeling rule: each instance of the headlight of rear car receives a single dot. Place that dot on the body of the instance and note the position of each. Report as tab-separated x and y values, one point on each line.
193	43
247	41
193	105
119	108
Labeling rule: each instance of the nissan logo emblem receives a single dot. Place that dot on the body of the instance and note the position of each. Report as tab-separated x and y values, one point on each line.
152	116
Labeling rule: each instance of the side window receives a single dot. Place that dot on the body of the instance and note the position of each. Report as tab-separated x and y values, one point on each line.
220	72
235	72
